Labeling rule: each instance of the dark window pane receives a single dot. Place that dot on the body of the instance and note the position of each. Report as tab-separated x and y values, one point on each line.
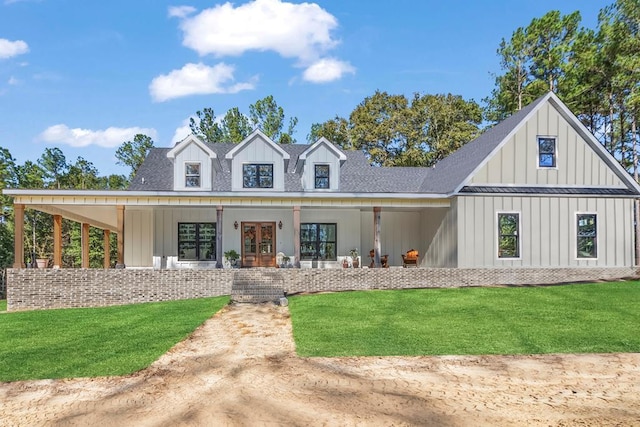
321	176
196	241
547	152
508	227
318	241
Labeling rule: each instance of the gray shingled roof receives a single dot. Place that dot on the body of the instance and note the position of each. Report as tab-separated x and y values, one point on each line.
358	176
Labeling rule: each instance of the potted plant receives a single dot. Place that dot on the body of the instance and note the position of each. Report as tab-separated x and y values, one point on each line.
285	261
354	258
232	256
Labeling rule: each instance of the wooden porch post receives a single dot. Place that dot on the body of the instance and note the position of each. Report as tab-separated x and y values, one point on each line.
120	226
107	248
219	237
376	236
57	241
18	238
296	235
85	245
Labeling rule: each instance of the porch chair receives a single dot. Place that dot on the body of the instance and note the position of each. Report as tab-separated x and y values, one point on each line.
410	259
384	259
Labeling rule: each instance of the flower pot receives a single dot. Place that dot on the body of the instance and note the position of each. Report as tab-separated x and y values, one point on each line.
42	262
356	263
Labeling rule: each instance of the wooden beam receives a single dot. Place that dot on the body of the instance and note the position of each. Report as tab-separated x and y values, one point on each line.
296	235
85	245
219	237
376	236
18	238
106	243
120	262
57	241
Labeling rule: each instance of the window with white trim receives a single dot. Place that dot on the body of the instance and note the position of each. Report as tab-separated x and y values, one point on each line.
546	152
508	235
587	236
192	175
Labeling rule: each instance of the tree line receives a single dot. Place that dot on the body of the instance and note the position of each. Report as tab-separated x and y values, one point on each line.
596	72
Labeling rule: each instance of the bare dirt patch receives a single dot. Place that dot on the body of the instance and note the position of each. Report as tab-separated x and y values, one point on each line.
240	368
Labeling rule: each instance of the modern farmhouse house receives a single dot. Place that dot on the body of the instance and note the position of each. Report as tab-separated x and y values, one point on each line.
535	191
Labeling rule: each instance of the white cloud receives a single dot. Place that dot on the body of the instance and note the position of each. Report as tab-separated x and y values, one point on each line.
181	11
13	81
300	31
10	48
110	137
182	131
327	70
197	79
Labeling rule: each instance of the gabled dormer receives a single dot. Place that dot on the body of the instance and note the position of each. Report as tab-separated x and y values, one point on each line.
194	165
257	164
320	166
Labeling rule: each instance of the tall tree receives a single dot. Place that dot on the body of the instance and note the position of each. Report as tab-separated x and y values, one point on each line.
335	130
133	153
206	127
235	126
54	167
533	61
269	116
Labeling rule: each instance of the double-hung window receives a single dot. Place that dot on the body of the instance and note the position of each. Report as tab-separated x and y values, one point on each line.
547	152
196	241
587	236
321	176
318	241
508	235
192	175
257	175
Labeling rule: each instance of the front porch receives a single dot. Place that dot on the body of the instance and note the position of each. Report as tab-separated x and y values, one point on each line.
180	232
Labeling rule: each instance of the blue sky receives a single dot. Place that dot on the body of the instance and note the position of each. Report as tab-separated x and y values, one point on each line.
86	76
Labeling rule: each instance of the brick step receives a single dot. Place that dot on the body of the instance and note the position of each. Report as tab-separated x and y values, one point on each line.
257	287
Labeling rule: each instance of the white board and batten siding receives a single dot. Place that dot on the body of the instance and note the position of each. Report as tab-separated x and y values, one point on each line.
138	237
192	153
258	151
439	229
548	231
577	164
321	155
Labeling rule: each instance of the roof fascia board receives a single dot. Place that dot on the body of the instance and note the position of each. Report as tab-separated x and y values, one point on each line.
188	140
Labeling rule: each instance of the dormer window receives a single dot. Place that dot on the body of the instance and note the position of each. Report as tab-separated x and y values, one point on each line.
546	152
322	176
192	175
257	175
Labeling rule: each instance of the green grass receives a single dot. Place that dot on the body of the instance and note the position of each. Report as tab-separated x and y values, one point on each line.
3	305
582	318
88	342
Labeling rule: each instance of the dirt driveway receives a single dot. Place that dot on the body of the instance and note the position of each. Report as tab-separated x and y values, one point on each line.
240	369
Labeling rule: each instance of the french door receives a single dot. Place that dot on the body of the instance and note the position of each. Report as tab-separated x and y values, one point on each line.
258	244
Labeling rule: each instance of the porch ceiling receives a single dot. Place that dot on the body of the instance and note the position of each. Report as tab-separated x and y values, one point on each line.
104	217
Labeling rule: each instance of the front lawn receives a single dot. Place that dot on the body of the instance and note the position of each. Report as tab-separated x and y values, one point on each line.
582	318
88	342
3	305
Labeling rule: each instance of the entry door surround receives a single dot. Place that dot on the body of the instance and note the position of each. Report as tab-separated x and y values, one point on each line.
258	244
